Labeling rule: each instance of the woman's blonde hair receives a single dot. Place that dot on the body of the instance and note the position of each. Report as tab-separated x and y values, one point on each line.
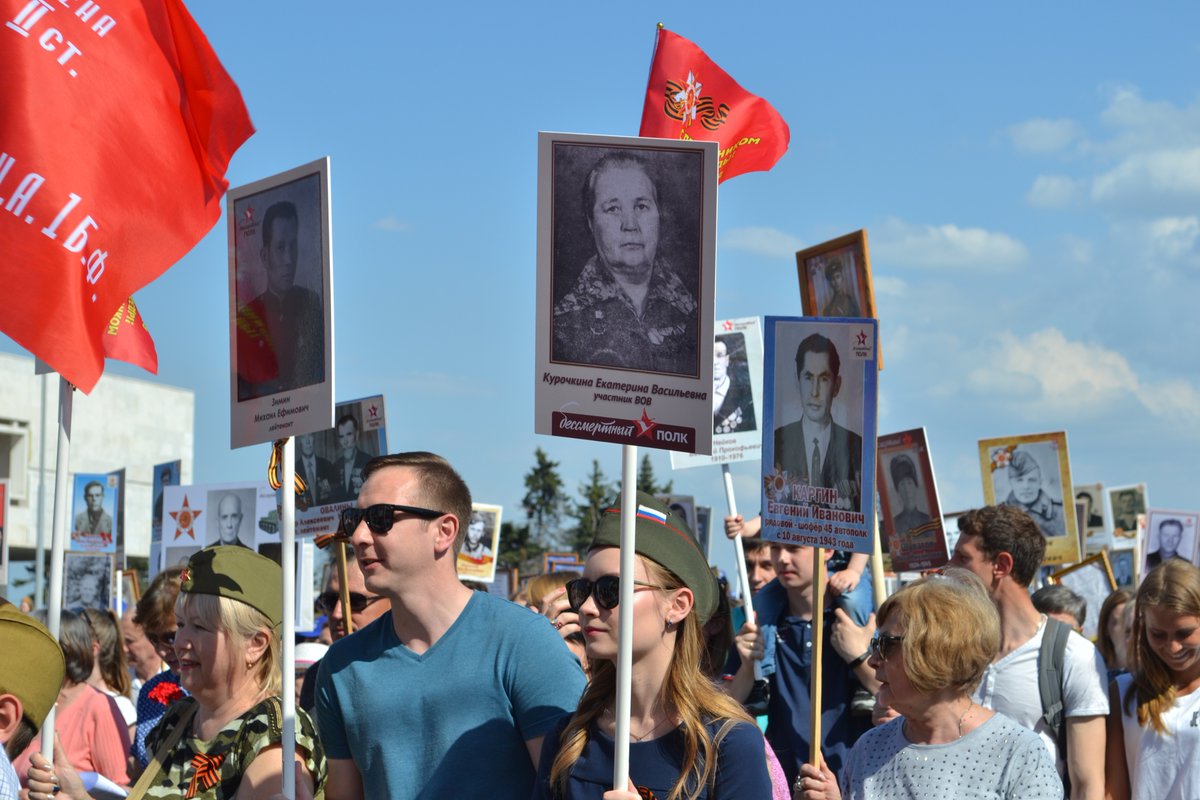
239	621
1173	585
541	585
951	631
687	693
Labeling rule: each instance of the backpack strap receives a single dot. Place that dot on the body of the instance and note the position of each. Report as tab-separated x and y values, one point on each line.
1051	657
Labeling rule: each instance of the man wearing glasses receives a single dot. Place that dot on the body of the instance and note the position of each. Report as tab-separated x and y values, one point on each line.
447	679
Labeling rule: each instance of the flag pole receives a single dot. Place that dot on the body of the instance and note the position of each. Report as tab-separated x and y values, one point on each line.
742	574
818	636
625	614
58	535
39	564
287	539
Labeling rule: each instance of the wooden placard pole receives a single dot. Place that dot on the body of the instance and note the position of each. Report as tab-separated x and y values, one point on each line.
344	584
818	635
877	586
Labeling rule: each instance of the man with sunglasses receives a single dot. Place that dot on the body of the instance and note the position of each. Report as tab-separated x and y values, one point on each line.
450	691
365	608
1004	547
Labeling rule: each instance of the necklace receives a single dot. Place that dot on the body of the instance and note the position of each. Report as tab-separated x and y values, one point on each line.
647	734
963	718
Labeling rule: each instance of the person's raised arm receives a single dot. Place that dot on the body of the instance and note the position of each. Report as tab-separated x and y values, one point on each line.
748	528
853	644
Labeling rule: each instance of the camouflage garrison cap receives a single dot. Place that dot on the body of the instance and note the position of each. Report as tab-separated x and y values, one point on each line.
664	538
238	573
32	667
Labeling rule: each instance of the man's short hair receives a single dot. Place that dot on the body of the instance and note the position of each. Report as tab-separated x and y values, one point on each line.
344	418
88	487
816	343
1059	599
754	545
1021	463
1007	529
619	159
284	209
442	489
1088	495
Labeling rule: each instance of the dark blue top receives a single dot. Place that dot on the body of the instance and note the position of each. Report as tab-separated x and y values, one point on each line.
654	766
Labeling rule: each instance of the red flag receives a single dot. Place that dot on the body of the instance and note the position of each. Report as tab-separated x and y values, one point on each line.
126	338
690	97
117	126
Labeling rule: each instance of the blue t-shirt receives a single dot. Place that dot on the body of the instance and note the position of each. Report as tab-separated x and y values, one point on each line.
453	721
654	766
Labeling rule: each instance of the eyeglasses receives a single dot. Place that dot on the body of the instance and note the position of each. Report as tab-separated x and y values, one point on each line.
328	601
162	639
883	645
605	589
380	517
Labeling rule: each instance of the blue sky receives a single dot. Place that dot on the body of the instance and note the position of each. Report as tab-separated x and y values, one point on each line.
1028	174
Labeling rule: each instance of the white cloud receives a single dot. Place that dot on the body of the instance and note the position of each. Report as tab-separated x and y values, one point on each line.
1140	125
942	246
390	225
762	241
1155	179
889	286
1050	372
1043	135
1174	238
1053	191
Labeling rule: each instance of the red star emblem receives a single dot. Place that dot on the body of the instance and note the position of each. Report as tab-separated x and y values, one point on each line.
185	518
907	439
373	411
727	324
249	213
862	337
646	424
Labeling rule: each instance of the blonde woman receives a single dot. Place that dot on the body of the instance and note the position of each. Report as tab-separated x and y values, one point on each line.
688	740
1153	736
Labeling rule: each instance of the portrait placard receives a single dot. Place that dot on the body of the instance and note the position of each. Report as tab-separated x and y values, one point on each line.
625	285
835	279
87	580
280	306
1124	505
818	464
1170	534
1097	530
131	590
331	463
166	474
1092	579
911	519
1124	568
477	559
736	398
1031	472
96	513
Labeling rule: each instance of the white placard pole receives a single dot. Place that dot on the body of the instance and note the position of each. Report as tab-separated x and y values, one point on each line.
625	614
742	573
58	536
39	565
287	538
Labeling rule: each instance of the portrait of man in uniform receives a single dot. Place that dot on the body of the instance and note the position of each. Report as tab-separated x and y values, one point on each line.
733	401
1127	503
842	302
93	527
632	302
1027	492
906	487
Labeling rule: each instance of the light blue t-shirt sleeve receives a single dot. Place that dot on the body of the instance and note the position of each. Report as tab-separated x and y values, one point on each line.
546	680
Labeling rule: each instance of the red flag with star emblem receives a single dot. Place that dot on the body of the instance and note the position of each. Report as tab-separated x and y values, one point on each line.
690	97
117	125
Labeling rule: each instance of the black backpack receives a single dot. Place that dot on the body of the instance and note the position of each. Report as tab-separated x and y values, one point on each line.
1050	685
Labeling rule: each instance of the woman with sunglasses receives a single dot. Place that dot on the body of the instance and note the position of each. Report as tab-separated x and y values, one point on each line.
1153	736
156	616
935	638
688	740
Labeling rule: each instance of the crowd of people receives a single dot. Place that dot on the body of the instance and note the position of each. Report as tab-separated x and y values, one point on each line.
959	685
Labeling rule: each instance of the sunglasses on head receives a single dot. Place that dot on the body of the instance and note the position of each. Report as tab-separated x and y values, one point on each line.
883	645
380	517
606	590
328	601
162	639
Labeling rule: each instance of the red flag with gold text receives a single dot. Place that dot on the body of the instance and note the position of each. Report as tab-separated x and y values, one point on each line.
690	97
117	123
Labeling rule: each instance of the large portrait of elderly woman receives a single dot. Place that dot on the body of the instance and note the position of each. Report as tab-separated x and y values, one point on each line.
626	271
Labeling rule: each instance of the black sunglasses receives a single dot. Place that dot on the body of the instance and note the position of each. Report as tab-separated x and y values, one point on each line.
162	639
605	589
328	601
380	517
883	645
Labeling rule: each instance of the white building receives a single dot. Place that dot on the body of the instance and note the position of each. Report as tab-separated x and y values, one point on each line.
124	423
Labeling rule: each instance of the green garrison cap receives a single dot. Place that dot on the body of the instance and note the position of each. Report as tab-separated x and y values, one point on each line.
31	663
238	573
664	538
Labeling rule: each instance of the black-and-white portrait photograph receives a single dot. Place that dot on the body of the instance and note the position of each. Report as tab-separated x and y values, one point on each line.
1095	532
1169	534
230	517
910	526
905	488
481	540
627	255
819	411
87	580
733	400
280	293
1031	483
833	278
1122	562
1126	503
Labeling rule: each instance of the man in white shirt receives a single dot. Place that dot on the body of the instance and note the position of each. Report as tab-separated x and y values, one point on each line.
1005	547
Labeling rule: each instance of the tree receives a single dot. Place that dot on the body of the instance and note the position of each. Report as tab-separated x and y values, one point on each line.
544	498
596	494
646	481
518	549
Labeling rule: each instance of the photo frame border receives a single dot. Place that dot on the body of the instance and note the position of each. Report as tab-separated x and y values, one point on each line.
862	275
